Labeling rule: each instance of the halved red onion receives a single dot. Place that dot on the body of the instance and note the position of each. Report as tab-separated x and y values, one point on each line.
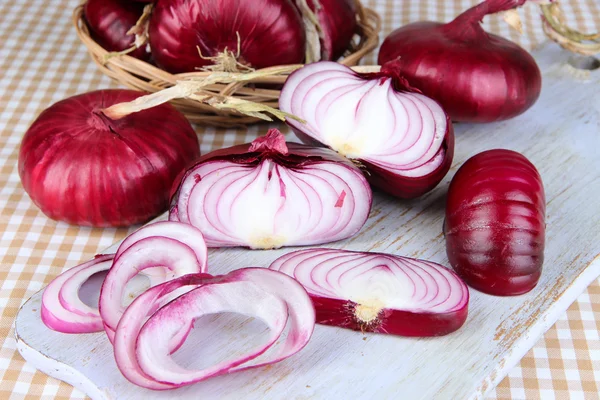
142	348
176	248
376	292
62	309
270	194
404	139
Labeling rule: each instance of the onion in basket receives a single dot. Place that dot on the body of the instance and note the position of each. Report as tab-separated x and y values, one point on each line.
109	22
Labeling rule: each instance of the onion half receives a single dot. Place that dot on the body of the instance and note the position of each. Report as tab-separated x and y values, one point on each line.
495	223
403	139
270	194
375	292
142	348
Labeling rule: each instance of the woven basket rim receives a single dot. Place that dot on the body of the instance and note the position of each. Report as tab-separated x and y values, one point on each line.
140	75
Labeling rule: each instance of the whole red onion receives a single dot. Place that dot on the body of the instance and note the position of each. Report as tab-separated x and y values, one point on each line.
109	21
81	167
495	225
476	76
270	32
338	22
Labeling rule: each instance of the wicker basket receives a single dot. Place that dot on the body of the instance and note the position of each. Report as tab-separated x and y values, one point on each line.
140	75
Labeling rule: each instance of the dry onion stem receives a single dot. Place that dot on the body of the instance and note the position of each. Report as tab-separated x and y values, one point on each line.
226	61
313	29
556	28
140	30
194	89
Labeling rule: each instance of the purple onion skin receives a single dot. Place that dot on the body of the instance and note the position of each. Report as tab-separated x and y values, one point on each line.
83	168
109	21
271	32
495	223
475	76
338	21
394	322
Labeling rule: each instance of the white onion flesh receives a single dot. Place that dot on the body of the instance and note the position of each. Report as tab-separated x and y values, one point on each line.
381	284
63	310
272	202
142	348
176	248
367	119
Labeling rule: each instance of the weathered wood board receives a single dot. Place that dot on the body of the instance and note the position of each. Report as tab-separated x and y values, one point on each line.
560	135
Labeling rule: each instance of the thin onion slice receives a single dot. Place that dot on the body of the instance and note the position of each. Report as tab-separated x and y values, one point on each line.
404	139
375	292
71	315
142	347
176	248
270	194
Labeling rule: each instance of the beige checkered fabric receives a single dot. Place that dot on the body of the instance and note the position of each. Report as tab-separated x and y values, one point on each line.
41	62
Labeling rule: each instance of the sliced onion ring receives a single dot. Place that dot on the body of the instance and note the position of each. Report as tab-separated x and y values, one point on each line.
177	248
71	315
142	347
375	292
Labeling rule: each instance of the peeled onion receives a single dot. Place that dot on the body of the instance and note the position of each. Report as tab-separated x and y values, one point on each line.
270	193
404	140
81	167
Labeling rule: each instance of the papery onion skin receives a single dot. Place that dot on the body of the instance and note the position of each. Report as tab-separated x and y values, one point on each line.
495	223
109	21
294	167
321	272
476	76
271	32
398	180
339	23
83	168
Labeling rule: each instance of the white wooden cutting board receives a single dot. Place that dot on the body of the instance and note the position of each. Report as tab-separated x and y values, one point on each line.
560	135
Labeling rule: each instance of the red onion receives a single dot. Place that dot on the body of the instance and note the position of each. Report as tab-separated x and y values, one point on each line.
338	23
142	348
62	309
83	168
109	22
374	292
178	249
269	32
403	139
270	193
495	225
476	76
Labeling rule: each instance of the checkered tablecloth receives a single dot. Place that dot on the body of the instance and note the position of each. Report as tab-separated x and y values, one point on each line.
42	61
